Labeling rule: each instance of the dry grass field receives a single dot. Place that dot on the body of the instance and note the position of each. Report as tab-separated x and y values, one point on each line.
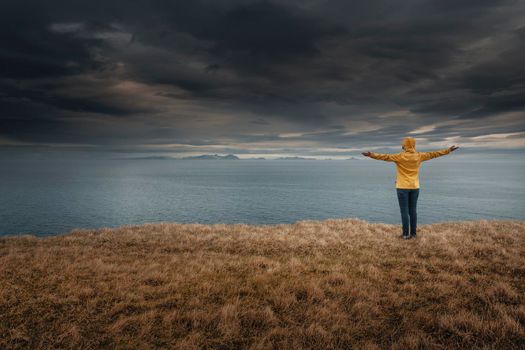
334	284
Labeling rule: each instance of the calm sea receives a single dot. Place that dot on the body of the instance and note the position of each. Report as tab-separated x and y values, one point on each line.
42	197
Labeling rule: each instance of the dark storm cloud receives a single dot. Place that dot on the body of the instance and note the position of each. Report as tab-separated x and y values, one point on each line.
259	34
21	99
256	76
30	50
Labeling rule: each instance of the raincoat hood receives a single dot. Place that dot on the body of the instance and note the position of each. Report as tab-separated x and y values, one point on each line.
409	143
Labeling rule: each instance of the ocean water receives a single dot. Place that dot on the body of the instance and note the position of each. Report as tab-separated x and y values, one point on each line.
53	197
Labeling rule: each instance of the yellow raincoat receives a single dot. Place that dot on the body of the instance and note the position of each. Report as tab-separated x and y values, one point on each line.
408	162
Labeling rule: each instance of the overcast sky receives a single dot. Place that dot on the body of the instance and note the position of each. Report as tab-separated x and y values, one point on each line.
261	78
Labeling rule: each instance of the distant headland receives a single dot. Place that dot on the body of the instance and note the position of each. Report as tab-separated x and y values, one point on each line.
229	157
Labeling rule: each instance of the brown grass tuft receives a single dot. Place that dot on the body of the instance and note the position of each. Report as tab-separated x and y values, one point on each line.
333	284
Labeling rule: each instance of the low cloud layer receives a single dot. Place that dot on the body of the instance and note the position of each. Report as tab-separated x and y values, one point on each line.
320	78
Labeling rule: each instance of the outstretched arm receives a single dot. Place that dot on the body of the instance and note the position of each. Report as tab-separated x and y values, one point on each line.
430	155
382	156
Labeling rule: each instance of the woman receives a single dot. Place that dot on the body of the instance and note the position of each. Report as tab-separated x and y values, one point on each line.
407	181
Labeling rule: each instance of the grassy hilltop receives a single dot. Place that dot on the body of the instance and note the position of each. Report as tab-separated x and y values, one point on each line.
333	284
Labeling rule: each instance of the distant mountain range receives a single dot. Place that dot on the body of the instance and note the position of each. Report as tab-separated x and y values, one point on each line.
213	156
294	158
147	158
225	157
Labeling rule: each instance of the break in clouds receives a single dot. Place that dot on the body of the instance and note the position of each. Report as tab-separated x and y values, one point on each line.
261	78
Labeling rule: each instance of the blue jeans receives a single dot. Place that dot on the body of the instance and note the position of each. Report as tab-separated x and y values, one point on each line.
407	203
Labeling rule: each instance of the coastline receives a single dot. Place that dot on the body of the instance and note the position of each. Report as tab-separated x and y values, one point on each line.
234	225
331	284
